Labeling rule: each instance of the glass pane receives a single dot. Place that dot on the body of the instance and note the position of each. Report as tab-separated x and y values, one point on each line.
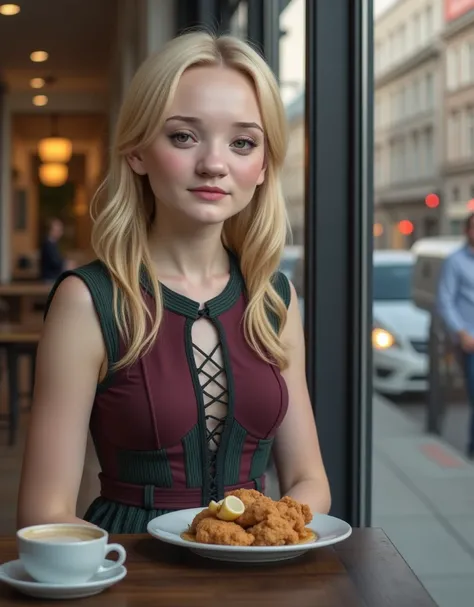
292	84
423	437
239	20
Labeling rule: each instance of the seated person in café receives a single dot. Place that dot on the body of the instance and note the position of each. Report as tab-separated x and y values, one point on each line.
181	346
52	263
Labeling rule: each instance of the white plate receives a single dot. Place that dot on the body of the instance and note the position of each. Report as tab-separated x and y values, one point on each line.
169	527
14	574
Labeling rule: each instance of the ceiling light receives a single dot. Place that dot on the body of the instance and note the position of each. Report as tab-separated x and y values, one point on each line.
8	10
39	56
53	174
55	149
40	100
37	83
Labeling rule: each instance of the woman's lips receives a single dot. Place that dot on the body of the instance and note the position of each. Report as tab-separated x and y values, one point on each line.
208	193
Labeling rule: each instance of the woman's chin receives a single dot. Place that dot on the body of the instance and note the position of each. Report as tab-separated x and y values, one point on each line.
209	216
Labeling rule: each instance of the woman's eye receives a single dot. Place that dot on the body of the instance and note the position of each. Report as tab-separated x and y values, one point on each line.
244	144
181	137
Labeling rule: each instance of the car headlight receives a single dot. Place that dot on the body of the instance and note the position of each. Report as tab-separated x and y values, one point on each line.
382	339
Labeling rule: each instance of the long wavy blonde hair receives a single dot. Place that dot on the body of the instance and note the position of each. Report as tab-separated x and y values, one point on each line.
123	207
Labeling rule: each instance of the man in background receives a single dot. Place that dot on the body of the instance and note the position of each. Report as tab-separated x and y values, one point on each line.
52	263
456	308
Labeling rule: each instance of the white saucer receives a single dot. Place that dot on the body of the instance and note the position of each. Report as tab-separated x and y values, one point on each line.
169	527
14	574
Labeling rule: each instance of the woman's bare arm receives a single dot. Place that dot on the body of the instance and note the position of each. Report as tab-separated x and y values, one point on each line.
70	356
297	453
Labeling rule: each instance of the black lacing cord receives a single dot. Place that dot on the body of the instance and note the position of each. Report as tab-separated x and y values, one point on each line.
213	435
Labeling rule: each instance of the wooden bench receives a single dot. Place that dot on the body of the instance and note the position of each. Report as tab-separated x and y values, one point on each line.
16	340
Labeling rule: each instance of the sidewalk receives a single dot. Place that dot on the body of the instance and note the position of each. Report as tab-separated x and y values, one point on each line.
423	498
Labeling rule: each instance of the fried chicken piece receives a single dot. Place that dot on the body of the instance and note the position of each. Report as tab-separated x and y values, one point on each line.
247	496
298	515
214	531
257	507
274	531
205	514
258	512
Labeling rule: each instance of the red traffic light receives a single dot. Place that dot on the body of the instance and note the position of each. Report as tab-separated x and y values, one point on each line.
432	201
406	227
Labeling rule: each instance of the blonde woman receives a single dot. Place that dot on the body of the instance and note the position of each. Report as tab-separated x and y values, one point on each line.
181	347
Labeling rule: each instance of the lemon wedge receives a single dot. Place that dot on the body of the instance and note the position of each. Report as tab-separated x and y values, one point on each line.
230	509
214	506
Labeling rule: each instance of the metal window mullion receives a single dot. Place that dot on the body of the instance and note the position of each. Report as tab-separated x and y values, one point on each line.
256	24
337	263
271	31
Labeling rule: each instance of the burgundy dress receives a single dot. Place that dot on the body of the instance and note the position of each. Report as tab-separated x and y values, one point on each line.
159	444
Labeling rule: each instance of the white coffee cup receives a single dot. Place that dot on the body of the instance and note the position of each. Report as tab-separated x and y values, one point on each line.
66	553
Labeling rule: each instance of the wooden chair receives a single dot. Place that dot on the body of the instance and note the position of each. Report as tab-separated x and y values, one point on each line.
17	340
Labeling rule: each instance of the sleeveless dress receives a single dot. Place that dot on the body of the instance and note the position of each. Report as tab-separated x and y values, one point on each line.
181	426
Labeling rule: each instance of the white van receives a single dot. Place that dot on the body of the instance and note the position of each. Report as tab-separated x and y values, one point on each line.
429	254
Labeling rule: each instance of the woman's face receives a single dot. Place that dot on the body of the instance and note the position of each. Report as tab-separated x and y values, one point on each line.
209	157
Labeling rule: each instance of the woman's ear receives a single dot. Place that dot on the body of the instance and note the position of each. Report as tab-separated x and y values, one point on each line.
135	161
261	177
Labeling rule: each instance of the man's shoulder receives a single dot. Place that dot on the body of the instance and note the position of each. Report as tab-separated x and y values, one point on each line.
458	258
457	255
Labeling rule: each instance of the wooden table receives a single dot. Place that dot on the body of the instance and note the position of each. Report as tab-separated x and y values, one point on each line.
17	340
364	571
20	296
25	289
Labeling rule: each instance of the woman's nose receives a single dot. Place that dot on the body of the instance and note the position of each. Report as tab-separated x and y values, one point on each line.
212	163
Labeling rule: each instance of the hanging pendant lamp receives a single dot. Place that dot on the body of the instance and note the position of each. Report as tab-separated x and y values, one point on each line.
54	148
53	174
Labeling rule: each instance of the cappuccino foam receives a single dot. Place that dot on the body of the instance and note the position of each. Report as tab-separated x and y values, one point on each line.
63	535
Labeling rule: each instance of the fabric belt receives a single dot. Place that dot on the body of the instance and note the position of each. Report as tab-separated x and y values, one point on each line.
162	498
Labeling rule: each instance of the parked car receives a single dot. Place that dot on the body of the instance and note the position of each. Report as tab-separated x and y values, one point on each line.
400	329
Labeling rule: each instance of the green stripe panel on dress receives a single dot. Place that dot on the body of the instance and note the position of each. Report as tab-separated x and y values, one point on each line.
233	456
260	458
145	468
119	518
204	459
193	457
282	287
